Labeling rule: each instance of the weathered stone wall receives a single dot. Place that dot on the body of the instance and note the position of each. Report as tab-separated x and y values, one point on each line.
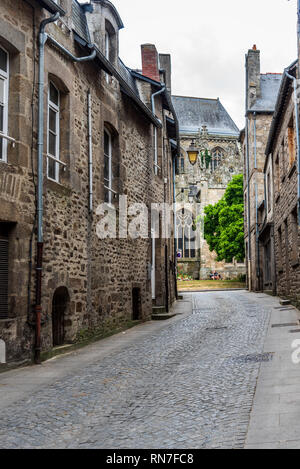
99	275
286	226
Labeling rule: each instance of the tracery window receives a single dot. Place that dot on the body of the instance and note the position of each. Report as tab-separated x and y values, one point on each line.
185	236
216	158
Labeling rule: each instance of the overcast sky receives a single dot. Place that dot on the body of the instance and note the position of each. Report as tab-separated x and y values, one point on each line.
208	41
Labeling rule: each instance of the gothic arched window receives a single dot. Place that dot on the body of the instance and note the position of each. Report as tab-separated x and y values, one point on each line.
216	158
186	236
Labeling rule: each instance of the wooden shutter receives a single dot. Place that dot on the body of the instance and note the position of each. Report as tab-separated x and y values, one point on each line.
3	278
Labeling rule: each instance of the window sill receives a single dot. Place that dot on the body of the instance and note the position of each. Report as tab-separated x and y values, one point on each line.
57	187
5	320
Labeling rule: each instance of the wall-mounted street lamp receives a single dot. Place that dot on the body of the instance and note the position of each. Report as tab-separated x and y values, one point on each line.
193	153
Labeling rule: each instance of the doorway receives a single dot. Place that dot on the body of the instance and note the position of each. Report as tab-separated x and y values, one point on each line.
59	307
136	304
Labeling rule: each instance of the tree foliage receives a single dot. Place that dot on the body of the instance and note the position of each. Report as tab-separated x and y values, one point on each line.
224	223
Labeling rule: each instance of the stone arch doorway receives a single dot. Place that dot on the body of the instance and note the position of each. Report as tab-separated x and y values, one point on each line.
60	305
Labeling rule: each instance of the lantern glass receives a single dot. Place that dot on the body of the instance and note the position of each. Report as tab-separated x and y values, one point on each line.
193	156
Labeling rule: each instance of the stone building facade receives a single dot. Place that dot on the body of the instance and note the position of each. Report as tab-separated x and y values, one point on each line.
282	189
105	136
206	123
261	95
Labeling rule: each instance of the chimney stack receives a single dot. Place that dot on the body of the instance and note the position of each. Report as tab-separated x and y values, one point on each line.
253	76
165	65
150	64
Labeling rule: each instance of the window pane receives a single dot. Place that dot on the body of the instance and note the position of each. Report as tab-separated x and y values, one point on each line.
2	91
106	196
106	169
1	128
3	60
106	143
51	169
1	117
52	120
52	144
54	95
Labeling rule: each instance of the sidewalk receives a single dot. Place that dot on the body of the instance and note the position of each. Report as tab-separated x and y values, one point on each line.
20	383
275	417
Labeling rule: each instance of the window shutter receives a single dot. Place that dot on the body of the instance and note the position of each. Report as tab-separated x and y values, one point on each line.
3	278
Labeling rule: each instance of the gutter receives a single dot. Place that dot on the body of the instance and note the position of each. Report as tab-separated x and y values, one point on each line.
52	7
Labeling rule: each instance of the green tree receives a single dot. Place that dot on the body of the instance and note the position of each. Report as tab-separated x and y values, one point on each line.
224	223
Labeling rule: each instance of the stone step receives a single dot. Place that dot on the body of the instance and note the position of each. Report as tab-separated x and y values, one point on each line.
158	309
285	302
162	316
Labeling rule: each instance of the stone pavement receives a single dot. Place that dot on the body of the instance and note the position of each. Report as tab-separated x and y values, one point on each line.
185	383
275	417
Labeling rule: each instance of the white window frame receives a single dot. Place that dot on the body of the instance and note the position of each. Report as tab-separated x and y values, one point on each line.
109	156
5	77
56	158
107	51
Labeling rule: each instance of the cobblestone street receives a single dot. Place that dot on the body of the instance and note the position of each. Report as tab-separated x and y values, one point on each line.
187	384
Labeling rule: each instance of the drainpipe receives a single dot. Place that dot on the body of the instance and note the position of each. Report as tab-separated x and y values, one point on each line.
43	38
248	182
298	137
39	262
175	230
256	205
255	150
90	152
154	96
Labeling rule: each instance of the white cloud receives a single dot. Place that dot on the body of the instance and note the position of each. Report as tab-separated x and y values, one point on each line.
208	41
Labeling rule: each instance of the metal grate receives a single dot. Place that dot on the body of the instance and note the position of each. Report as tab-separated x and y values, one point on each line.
3	278
290	324
255	358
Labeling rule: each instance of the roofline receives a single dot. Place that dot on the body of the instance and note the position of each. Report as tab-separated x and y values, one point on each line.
194	97
52	7
259	111
187	133
284	87
144	78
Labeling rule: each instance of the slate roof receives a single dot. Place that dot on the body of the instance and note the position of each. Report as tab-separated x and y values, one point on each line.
269	84
286	87
80	25
193	113
125	73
